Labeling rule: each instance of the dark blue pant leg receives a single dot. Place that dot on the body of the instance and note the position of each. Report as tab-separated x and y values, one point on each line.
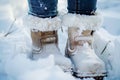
43	8
87	7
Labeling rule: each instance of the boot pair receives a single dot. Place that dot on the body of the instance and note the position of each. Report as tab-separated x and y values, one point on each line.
79	50
81	58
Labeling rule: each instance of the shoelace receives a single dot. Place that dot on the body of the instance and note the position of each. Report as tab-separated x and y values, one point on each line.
81	40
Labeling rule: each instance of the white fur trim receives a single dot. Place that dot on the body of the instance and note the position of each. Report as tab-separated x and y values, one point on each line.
84	22
42	24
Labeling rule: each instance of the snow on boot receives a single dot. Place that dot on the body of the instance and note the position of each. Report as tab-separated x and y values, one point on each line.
45	40
79	45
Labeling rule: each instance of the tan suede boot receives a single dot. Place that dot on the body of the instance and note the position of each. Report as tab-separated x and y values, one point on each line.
45	43
79	49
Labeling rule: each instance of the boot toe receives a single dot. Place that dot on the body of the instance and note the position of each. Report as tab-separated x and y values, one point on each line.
91	68
87	65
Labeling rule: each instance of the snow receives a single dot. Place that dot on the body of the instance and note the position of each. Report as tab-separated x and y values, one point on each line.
15	64
15	47
52	49
12	44
23	68
111	15
114	22
48	73
111	53
6	18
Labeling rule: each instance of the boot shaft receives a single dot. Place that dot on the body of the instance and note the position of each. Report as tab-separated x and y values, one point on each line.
39	38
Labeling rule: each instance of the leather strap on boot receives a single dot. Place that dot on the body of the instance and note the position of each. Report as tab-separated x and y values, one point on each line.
48	37
78	40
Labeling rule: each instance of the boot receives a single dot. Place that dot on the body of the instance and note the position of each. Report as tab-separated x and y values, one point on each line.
45	43
80	50
44	23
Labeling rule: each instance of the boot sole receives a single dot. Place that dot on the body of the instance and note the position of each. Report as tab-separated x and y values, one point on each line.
100	77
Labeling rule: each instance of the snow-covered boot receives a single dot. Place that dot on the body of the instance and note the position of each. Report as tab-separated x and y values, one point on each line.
82	21
79	45
45	40
44	23
45	44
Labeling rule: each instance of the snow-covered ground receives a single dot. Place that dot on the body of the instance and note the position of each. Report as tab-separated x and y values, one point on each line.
15	44
110	10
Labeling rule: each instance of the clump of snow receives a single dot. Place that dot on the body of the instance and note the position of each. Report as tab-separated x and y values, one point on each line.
115	55
23	68
59	59
100	38
21	64
12	44
12	40
84	22
107	48
48	72
42	24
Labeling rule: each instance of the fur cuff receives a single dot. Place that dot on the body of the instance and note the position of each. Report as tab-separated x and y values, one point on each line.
84	22
42	24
